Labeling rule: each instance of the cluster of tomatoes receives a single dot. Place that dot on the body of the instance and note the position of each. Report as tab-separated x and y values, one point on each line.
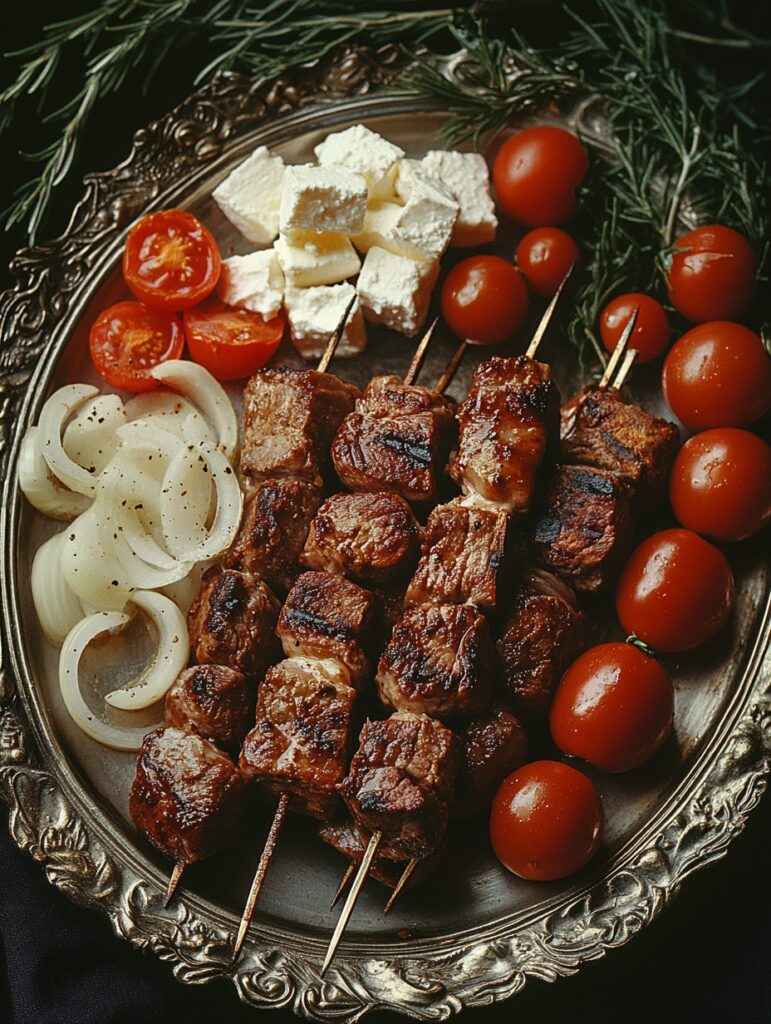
614	706
171	264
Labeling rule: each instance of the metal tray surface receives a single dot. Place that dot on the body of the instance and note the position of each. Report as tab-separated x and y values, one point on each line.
68	796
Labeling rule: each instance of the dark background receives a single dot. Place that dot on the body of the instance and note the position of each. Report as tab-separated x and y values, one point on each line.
707	959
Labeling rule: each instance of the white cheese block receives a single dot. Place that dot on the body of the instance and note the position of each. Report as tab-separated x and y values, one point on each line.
467	177
396	290
255	282
322	199
313	315
365	152
309	258
250	196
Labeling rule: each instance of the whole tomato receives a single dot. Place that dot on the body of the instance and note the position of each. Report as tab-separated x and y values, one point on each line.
712	274
536	173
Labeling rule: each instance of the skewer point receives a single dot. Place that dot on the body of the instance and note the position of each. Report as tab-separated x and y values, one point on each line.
176	875
406	874
259	875
350	902
619	350
349	871
444	381
548	313
420	354
334	340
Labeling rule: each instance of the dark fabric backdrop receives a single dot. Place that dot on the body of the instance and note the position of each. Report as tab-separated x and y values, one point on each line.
706	959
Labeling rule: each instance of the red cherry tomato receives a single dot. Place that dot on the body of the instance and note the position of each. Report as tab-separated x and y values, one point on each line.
231	343
613	707
484	300
717	375
713	278
651	332
128	339
536	173
171	260
546	821
544	256
720	484
675	592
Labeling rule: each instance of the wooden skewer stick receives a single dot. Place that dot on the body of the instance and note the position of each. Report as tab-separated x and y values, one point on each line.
444	381
547	315
349	872
350	902
334	340
626	366
420	354
619	350
176	875
406	875
262	868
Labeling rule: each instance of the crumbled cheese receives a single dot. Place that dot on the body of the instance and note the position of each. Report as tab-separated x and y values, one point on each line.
255	282
313	315
308	258
467	178
396	290
365	152
322	199
250	196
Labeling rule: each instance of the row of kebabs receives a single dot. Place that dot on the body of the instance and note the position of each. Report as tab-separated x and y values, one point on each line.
473	646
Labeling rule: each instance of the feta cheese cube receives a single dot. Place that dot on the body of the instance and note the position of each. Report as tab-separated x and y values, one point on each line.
467	178
250	196
309	258
396	290
322	199
313	315
255	282
365	152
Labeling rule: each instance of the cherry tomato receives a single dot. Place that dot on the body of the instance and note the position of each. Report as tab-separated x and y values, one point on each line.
484	300
544	256
721	484
651	332
231	342
128	339
171	260
536	173
546	821
714	277
717	375
675	592
613	707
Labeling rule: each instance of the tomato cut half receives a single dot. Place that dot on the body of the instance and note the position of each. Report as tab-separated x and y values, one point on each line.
171	261
129	339
231	342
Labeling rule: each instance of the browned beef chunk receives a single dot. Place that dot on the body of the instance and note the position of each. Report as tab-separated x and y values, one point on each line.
494	745
216	701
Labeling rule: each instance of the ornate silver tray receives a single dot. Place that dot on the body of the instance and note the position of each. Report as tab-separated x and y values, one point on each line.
68	796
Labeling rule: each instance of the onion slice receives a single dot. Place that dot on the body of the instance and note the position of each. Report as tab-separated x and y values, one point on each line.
89	569
171	656
171	411
207	394
42	490
54	414
90	439
57	606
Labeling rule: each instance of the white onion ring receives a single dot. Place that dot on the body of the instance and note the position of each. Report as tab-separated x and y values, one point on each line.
57	606
56	411
172	653
90	570
138	517
40	488
186	500
207	394
171	411
90	439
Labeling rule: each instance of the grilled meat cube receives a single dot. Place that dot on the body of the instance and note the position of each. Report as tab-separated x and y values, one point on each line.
326	616
494	745
273	533
439	661
543	634
387	397
187	795
216	701
508	421
348	839
401	781
464	557
391	603
299	744
290	418
232	622
372	538
584	532
609	433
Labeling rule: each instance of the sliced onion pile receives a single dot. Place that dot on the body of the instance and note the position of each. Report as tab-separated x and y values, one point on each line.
151	497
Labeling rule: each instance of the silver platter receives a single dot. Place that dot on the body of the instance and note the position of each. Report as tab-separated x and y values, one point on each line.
474	934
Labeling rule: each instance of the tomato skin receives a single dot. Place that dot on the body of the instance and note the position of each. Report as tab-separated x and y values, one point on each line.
484	300
544	256
720	484
536	172
675	592
650	336
230	342
128	339
546	821
613	707
717	375
714	278
171	260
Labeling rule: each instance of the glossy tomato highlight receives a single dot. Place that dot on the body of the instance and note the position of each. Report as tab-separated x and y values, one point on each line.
484	300
231	342
545	255
536	173
712	274
650	336
128	339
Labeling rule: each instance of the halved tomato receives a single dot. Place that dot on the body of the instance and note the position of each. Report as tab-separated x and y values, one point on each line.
128	339
231	342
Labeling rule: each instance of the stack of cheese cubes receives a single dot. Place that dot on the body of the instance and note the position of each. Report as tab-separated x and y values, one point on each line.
363	212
